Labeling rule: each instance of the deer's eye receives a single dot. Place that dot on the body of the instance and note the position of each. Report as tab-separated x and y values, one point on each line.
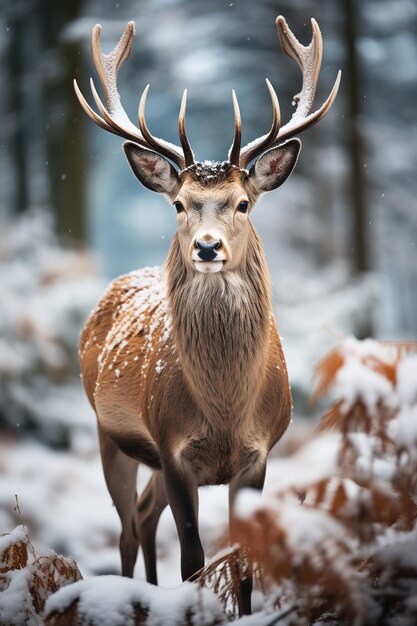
179	206
243	206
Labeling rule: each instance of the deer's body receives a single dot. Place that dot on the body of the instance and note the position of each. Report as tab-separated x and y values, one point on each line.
197	371
184	365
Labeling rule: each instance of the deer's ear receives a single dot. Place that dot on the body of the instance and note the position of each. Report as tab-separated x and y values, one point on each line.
274	167
153	170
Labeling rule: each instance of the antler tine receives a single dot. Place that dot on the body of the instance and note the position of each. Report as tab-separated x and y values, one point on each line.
309	59
113	117
90	112
252	150
296	126
186	148
107	66
234	153
159	145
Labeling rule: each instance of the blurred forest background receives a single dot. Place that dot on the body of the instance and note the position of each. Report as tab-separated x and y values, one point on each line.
340	235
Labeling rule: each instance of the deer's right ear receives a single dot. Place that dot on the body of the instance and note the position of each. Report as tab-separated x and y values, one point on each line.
153	170
272	168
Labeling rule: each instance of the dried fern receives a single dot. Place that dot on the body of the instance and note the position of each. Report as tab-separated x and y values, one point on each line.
42	575
341	577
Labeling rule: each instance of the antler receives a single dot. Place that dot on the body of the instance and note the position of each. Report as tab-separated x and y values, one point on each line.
309	59
113	117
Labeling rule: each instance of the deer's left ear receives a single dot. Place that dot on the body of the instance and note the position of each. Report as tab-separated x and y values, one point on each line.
274	167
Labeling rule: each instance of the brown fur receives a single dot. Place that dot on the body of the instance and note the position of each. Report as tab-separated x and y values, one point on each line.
223	382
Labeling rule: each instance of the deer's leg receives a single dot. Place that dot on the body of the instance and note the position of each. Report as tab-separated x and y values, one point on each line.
120	472
149	507
254	478
181	488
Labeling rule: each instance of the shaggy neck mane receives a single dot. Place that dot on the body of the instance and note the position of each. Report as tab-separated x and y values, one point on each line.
221	324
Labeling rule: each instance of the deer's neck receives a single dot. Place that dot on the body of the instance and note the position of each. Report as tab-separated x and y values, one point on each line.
221	324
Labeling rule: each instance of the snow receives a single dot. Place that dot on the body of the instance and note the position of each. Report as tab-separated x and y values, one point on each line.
401	552
47	292
109	600
248	502
143	309
407	380
404	430
16	608
66	505
315	460
355	381
362	377
159	366
308	528
368	348
17	535
366	461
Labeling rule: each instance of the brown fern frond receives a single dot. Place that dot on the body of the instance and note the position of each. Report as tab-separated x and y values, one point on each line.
387	369
404	486
49	573
321	572
325	373
224	574
13	556
365	510
403	348
332	419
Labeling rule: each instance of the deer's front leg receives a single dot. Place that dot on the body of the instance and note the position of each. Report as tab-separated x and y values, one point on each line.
252	477
182	494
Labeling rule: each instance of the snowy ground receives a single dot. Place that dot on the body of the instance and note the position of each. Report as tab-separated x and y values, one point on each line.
66	506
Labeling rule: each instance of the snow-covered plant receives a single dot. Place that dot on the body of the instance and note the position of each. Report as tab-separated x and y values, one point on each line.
26	580
47	292
342	549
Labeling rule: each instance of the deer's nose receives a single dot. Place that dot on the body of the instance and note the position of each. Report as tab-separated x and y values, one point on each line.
207	251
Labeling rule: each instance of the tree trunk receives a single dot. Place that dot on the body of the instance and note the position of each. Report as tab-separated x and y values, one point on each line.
355	143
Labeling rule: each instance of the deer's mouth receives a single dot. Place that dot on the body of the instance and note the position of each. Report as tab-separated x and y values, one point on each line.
209	267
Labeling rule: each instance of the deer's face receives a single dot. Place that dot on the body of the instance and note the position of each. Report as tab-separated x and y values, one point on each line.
213	201
212	207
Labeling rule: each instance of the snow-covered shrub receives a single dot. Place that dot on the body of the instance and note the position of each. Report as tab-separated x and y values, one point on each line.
342	548
47	292
116	601
26	580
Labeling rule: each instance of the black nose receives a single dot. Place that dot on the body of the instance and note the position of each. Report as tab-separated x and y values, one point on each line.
206	251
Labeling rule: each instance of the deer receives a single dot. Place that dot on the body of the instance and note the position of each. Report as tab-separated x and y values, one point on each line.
183	365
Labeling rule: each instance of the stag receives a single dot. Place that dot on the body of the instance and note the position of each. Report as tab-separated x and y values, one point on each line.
183	364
